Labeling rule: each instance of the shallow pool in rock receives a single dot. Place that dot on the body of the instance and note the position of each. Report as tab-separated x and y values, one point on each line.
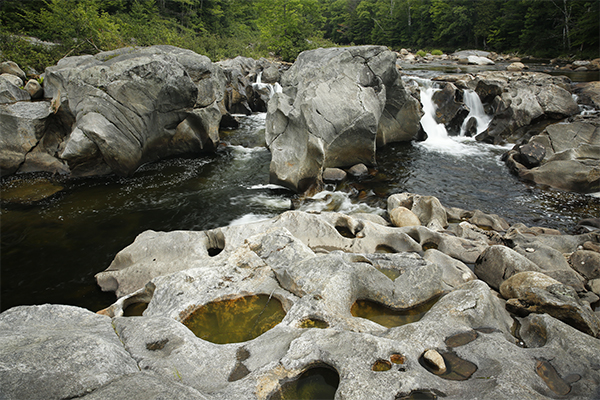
390	317
235	320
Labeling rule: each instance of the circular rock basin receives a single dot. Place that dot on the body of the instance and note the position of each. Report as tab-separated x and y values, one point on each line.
389	317
135	309
315	383
236	320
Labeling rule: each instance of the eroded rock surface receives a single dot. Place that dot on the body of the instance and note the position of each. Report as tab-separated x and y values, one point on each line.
337	104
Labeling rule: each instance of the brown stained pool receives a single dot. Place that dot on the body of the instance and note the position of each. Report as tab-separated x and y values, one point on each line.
389	317
236	320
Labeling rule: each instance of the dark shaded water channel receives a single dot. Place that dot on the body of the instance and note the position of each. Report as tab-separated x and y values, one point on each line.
52	249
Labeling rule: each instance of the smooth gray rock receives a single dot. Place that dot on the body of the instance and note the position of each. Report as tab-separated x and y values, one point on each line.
34	89
498	263
336	105
519	98
147	385
129	103
58	352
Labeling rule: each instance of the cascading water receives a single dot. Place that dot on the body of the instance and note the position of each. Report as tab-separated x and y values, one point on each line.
276	88
437	135
473	102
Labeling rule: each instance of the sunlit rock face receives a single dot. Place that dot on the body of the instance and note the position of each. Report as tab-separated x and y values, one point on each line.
336	106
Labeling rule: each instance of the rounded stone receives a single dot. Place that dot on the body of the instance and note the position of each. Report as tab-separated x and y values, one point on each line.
435	360
402	216
359	170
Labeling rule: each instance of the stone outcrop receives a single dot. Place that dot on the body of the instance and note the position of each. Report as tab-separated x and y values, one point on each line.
303	261
517	99
336	105
564	156
114	111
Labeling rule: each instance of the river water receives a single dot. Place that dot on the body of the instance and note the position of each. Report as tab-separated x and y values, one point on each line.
52	249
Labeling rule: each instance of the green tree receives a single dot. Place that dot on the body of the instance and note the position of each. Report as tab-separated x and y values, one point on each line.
286	25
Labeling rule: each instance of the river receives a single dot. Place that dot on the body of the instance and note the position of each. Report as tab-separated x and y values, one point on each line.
52	249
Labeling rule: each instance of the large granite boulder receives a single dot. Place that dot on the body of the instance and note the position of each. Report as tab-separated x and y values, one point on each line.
133	106
569	153
114	111
336	105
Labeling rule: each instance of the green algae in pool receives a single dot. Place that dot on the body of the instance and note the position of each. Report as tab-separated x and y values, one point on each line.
389	317
236	320
317	383
313	323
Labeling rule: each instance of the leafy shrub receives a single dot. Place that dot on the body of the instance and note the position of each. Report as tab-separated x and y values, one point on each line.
437	53
421	53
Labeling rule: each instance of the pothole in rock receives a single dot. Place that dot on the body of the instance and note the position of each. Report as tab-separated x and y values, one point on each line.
313	323
319	382
135	309
390	317
550	376
381	365
420	395
456	368
391	273
384	248
345	231
216	243
236	320
428	245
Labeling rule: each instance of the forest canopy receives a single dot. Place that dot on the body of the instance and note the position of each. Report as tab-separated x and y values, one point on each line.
283	28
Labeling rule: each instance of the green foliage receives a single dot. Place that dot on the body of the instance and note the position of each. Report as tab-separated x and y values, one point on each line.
436	53
257	28
286	25
421	53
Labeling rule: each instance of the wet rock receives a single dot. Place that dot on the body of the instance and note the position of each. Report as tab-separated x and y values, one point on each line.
359	170
517	99
333	175
336	105
545	257
531	154
547	372
535	292
58	352
587	263
450	109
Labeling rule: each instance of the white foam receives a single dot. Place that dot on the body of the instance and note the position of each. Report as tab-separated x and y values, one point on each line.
338	202
268	186
249	219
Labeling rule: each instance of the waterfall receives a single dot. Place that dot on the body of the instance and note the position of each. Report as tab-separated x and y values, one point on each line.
259	85
473	102
437	135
